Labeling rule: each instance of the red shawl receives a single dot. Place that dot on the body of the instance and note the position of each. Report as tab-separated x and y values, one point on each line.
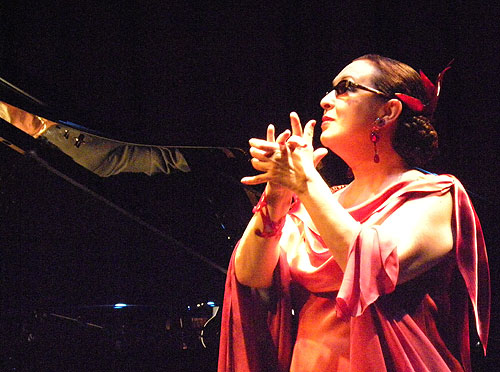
256	337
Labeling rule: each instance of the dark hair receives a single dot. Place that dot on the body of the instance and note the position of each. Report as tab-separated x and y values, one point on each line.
415	139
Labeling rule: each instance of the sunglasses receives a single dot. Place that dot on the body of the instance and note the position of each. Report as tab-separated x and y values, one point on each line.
344	86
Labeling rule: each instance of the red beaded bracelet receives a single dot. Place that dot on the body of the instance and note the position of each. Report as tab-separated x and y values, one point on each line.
270	228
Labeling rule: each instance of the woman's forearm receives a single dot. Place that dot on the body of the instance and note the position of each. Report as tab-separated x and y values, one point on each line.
335	225
256	256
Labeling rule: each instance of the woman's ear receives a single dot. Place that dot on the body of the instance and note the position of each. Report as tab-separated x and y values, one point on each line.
391	111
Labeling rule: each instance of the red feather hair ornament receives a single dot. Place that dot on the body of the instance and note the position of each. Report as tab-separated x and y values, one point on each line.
432	92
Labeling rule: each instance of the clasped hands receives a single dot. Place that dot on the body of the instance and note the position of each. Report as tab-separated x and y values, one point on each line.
288	160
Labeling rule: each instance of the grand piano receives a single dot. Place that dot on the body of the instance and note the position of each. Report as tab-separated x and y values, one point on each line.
113	253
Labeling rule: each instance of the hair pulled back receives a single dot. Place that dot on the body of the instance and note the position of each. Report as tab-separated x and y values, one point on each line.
415	139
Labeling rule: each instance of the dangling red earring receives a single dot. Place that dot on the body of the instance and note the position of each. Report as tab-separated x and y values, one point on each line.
375	137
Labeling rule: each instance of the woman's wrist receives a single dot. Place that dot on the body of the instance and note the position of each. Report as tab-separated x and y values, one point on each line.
270	228
272	209
278	199
312	179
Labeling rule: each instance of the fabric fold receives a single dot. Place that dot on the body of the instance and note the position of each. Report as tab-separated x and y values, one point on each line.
372	270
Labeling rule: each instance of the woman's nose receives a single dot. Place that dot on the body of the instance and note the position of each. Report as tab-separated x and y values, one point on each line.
328	100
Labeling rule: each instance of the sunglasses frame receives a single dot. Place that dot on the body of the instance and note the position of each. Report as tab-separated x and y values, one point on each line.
350	84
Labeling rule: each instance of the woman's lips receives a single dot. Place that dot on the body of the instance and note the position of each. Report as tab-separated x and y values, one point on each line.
325	121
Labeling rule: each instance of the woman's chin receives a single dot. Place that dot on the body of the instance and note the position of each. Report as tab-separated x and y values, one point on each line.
327	139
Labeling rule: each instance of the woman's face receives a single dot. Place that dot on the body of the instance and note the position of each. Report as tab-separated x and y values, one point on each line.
349	117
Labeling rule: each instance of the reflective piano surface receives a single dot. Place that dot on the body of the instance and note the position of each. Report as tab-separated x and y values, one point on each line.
76	242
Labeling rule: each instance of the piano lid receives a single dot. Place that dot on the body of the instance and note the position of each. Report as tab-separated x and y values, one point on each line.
92	220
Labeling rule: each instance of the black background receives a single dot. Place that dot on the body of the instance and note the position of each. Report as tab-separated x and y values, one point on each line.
195	73
215	74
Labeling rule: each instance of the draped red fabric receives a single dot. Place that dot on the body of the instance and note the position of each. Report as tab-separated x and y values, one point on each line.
417	326
255	335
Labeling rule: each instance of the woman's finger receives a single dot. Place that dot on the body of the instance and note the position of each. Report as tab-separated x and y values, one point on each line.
260	154
261	166
270	133
319	154
295	124
296	141
263	145
309	131
254	180
283	137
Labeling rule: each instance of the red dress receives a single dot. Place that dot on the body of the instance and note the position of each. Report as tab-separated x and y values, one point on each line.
359	320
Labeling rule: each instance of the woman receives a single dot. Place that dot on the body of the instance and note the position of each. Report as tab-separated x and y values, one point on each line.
378	273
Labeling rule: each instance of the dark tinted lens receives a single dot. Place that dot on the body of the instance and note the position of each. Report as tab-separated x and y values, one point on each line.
341	87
